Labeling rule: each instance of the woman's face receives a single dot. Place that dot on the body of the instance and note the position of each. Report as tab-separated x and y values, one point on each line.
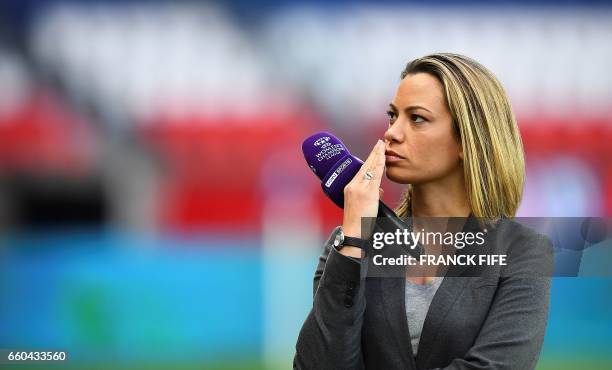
421	145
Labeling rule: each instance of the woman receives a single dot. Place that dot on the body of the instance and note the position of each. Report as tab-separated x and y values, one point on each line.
452	138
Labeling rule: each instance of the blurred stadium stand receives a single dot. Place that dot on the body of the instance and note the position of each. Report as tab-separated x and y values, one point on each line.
151	173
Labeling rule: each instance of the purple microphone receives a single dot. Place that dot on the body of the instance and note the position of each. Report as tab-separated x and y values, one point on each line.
331	161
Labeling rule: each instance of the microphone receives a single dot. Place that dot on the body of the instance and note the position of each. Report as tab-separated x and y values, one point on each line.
331	161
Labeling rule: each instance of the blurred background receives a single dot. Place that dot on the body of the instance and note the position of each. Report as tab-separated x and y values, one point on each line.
155	207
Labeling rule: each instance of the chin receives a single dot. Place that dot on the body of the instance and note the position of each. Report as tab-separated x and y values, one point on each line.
399	175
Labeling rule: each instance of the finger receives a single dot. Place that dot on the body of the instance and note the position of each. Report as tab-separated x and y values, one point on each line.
381	160
370	161
371	157
378	167
381	192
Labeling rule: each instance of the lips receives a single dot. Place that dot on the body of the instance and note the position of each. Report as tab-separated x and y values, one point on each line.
391	153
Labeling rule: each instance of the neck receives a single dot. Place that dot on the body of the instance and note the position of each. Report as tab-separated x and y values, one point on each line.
444	198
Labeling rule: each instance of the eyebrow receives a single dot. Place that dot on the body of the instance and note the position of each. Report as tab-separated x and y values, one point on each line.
410	107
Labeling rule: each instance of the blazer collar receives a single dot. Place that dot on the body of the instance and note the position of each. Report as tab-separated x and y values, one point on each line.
393	293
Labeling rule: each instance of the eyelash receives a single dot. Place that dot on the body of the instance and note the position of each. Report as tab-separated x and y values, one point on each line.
413	117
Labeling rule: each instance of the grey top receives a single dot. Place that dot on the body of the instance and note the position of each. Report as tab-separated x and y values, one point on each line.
418	298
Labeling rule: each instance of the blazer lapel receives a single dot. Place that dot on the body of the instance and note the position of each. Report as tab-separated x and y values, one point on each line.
452	286
448	292
395	311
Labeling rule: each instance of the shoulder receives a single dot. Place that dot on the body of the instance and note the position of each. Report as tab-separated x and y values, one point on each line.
529	251
513	233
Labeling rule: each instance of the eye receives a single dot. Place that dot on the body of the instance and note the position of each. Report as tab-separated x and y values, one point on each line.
391	115
417	119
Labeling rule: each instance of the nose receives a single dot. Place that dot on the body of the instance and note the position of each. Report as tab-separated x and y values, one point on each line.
394	133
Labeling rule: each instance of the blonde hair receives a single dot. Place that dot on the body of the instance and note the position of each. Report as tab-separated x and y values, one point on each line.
494	164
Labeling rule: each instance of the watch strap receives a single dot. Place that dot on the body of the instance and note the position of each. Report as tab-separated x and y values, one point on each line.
354	242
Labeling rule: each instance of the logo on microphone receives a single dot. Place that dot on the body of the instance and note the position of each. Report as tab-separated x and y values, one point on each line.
322	140
338	171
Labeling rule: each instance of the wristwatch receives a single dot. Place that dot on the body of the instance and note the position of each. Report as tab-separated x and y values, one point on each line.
342	240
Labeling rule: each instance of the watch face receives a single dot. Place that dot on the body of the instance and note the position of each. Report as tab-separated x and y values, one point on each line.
339	239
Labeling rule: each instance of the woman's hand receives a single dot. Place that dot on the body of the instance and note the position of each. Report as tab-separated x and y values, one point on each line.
361	196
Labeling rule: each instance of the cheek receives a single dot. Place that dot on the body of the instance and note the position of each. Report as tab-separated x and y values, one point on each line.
435	154
432	154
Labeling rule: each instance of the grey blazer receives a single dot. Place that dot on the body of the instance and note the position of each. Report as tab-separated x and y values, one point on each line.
474	321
